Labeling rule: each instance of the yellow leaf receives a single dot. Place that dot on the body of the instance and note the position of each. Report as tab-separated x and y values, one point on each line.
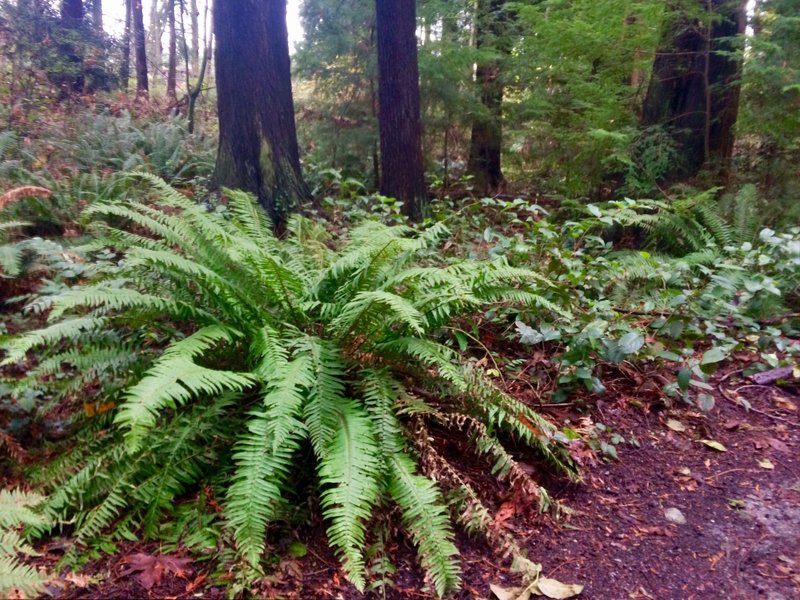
552	588
713	444
766	463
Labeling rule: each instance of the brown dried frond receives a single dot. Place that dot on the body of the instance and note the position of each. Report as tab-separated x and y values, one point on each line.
26	191
13	447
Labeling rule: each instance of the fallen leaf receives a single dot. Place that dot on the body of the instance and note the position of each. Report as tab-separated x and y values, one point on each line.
766	463
552	588
785	404
78	580
504	513
514	593
676	425
149	570
713	444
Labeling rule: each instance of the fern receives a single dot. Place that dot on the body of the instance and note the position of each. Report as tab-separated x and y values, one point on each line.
16	510
253	357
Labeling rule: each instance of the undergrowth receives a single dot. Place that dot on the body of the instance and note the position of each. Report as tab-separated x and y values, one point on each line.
261	368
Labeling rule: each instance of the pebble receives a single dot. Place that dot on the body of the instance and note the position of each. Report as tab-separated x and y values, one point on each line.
674	515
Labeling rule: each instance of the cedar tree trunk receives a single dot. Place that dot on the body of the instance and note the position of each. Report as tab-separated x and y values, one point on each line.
257	136
142	85
486	142
694	90
402	171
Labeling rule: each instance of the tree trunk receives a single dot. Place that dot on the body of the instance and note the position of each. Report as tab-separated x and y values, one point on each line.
694	89
125	67
399	123
194	19
172	60
142	85
72	13
257	137
97	15
156	54
486	142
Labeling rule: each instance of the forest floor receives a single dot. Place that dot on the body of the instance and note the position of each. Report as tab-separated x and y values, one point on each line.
699	505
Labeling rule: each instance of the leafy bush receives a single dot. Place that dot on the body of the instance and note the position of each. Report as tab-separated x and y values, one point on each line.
223	345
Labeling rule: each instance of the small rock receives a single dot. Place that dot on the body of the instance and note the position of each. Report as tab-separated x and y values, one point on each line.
673	515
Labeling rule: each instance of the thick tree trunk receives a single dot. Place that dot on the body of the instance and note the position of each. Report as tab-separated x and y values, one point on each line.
694	89
72	13
172	60
402	170
140	44
486	142
125	67
257	137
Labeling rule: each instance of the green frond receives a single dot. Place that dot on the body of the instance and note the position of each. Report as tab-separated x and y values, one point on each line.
264	456
370	311
425	517
16	508
172	380
67	329
348	472
382	393
326	393
15	575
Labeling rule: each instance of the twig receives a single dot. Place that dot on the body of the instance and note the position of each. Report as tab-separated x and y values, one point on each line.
753	409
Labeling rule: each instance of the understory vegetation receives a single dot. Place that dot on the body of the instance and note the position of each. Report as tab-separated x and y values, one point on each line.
177	369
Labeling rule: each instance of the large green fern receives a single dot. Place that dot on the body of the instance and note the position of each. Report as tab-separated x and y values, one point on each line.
258	350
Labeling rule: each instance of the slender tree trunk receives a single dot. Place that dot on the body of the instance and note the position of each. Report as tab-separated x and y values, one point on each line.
172	60
257	137
402	169
72	19
194	19
694	90
156	54
125	67
97	15
140	43
486	142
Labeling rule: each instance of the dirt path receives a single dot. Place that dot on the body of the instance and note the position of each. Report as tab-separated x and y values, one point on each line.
741	536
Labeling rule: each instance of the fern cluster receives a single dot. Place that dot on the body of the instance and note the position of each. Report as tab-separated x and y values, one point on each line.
236	358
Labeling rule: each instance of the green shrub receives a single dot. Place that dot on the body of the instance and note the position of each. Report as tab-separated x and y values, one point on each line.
223	345
16	511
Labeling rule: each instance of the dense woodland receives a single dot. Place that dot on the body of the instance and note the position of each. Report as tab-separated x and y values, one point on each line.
401	307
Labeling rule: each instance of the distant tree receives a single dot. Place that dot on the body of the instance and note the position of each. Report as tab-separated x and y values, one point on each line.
172	57
140	44
125	66
257	137
72	13
96	8
694	89
486	141
402	168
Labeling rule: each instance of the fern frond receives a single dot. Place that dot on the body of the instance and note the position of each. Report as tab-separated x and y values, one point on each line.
348	475
15	575
172	380
426	519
